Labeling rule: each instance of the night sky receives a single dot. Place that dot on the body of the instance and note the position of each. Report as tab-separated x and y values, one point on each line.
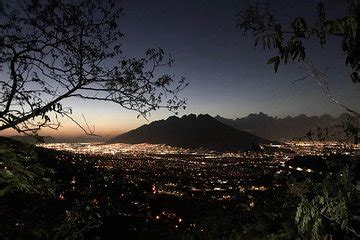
227	76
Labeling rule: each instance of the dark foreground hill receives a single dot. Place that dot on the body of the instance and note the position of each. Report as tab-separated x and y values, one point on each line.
192	131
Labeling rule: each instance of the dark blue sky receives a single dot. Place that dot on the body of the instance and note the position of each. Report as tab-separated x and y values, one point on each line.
227	75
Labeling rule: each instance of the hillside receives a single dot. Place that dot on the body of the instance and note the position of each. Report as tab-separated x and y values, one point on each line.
192	131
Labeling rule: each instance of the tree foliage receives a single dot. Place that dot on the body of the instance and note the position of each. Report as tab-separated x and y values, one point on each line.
20	170
330	203
332	200
52	50
289	41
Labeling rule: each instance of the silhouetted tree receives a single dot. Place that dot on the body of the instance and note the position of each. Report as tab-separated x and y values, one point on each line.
51	50
333	198
288	41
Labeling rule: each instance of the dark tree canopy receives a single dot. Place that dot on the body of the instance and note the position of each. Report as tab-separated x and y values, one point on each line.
289	41
51	50
332	197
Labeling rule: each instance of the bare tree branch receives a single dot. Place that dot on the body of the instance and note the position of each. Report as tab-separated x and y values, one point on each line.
53	50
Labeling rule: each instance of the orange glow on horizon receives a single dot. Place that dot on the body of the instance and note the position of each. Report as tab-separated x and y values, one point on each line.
104	130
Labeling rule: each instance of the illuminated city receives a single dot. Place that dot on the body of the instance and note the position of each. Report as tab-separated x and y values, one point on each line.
208	174
154	178
179	120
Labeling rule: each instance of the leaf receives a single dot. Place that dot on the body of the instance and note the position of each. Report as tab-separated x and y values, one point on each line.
276	61
272	60
355	77
256	42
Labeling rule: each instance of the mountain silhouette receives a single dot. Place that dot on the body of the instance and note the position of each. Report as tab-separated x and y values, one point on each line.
191	131
278	129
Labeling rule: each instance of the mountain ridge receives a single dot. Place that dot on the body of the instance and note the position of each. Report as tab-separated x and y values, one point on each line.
191	131
278	129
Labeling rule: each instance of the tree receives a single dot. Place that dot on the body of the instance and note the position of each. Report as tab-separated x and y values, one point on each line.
289	44
332	198
52	50
289	41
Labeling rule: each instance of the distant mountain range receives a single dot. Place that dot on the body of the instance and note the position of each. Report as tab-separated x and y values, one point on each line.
214	133
287	128
191	131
